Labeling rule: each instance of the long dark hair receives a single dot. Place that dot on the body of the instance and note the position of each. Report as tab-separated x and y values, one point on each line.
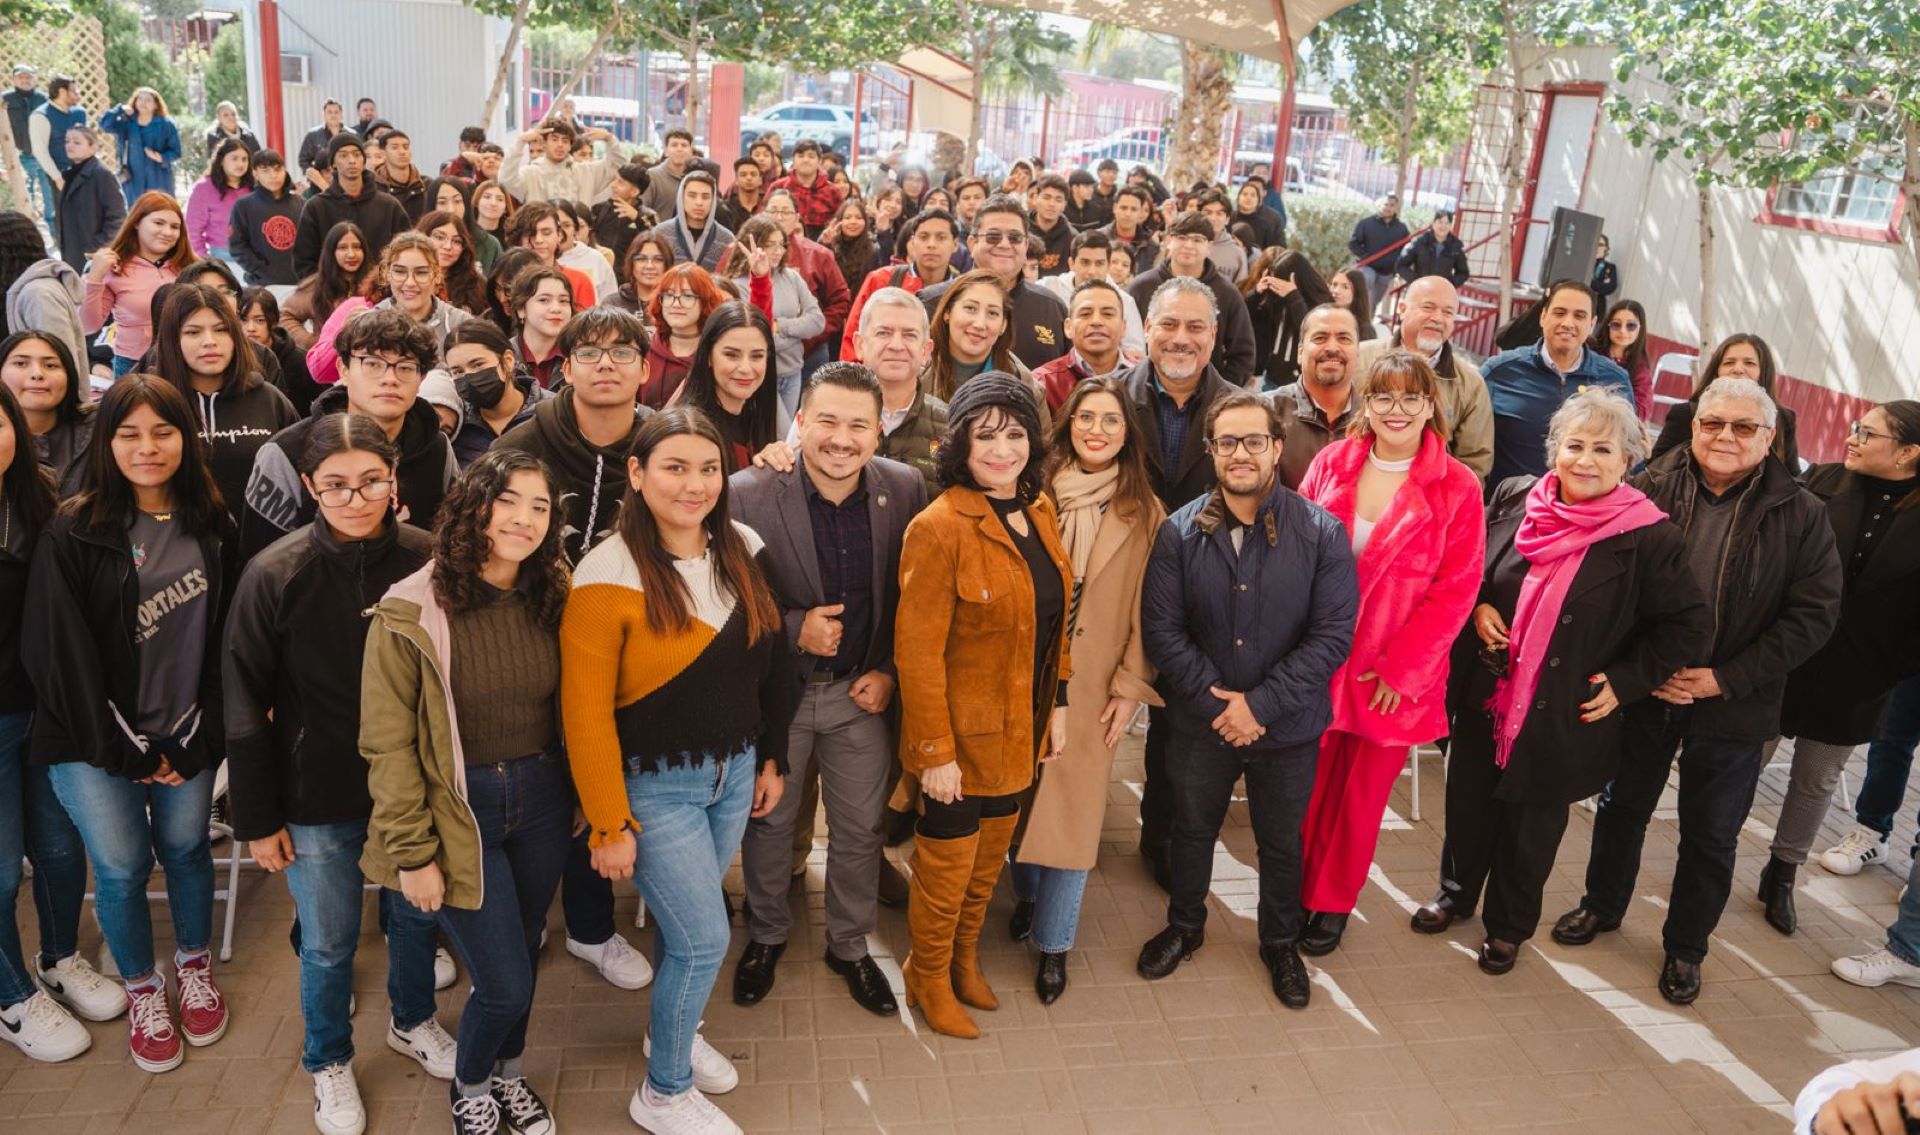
74	405
26	487
345	433
1903	414
21	247
461	546
999	358
1362	303
506	269
956	445
1133	497
461	283
700	390
1636	355
854	256
217	174
106	500
669	605
1711	371
332	284
184	300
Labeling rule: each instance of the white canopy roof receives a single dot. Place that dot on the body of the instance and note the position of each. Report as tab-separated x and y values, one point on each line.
1249	26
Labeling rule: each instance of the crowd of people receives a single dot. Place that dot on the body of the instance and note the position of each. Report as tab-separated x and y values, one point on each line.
664	518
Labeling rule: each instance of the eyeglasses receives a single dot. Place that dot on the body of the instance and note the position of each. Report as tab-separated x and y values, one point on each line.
1407	402
1108	423
1741	430
1254	444
653	259
373	366
1860	432
623	356
992	237
678	299
373	492
420	274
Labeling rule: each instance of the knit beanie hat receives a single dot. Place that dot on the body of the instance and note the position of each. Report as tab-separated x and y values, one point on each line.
341	141
989	389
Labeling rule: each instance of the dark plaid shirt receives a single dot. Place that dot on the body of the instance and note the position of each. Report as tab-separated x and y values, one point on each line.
843	546
1175	420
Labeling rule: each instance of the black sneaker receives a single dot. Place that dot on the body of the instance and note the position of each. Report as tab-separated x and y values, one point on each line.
525	1112
474	1115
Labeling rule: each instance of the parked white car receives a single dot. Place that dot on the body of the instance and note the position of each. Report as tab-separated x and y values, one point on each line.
829	124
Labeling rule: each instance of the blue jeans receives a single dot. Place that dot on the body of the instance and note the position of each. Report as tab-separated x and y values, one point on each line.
325	881
790	392
525	811
691	820
1903	937
34	825
49	197
1890	759
1056	893
123	366
127	827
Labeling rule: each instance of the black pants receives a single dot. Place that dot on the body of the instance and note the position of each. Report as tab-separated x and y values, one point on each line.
1201	775
586	896
1717	782
1505	847
962	817
1156	798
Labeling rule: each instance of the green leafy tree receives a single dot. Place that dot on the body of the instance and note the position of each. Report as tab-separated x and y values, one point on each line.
34	14
133	60
225	77
1005	49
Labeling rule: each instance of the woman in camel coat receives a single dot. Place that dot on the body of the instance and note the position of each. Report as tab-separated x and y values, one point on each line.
1097	477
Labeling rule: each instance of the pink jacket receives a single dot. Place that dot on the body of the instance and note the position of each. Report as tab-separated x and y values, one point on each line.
1419	578
127	295
210	216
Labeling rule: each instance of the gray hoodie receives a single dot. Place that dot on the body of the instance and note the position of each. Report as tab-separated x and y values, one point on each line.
705	250
46	298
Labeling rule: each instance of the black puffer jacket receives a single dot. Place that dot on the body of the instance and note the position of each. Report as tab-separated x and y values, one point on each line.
295	639
1779	592
77	642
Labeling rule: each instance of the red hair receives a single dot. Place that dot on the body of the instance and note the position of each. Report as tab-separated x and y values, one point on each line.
698	281
126	242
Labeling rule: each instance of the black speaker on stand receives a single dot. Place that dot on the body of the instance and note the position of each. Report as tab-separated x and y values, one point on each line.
1572	241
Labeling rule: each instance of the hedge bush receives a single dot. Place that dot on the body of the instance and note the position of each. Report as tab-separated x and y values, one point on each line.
1318	226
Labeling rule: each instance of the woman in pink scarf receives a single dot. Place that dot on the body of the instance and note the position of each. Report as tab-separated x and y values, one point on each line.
1587	604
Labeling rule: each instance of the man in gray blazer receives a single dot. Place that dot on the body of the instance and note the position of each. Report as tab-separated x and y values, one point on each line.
833	526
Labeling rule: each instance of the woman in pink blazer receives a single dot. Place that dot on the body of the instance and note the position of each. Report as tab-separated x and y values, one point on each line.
1419	535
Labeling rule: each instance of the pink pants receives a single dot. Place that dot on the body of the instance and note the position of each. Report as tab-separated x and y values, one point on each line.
1350	790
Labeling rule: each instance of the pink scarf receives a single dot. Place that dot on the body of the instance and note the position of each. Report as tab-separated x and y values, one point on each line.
1553	538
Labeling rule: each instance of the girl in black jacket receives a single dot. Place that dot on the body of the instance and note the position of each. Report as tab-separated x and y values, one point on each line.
121	636
292	683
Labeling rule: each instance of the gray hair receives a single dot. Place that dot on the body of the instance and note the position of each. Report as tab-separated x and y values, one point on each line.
1182	286
891	297
1739	390
1603	408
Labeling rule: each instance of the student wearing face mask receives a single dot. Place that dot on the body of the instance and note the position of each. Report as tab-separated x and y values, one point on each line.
497	394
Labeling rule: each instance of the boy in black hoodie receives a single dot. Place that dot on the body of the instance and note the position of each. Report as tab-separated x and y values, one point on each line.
353	196
265	223
384	355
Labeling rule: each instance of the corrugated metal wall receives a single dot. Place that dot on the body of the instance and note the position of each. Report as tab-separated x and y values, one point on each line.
426	63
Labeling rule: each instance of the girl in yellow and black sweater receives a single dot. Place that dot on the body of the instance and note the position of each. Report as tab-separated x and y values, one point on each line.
676	692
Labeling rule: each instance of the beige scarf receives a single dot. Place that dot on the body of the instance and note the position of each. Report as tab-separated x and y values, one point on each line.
1082	498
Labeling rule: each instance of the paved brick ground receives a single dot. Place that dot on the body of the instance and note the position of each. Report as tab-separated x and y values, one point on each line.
1405	1034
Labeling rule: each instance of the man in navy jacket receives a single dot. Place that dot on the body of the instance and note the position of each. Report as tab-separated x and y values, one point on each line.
1248	610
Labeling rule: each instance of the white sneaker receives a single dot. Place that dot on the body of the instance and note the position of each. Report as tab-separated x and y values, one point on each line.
427	1043
443	972
688	1113
43	1030
337	1109
619	963
1856	850
1876	969
713	1073
78	986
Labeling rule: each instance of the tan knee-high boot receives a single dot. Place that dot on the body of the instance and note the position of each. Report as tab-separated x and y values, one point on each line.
942	869
996	835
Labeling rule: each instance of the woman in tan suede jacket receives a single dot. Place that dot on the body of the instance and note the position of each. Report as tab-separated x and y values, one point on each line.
982	658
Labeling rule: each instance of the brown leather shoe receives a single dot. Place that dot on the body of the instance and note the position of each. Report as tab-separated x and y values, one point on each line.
1438	915
989	857
1497	957
1580	926
942	869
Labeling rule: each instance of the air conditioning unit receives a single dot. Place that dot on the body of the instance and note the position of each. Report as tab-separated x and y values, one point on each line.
296	68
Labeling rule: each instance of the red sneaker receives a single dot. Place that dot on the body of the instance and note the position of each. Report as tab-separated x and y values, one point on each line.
203	1012
150	1032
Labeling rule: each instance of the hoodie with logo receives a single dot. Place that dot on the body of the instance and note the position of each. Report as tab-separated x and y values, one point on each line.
235	425
592	478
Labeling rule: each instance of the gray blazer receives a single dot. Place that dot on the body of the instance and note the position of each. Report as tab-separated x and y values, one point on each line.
775	506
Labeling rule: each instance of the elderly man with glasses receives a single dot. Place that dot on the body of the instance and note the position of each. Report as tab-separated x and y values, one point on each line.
1428	310
1762	550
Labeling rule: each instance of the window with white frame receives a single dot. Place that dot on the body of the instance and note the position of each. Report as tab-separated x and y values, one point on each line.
1864	194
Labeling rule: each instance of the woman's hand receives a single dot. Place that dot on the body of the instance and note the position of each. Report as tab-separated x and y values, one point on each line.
424	887
759	260
105	262
1277	285
614	859
274	852
1386	699
767	788
1117	716
154	156
1056	735
164	775
1488	624
942	782
1603	703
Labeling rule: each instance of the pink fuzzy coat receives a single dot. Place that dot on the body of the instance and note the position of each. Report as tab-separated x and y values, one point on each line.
1419	578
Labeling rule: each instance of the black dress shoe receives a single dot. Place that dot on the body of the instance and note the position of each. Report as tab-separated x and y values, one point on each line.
867	984
1051	981
1290	982
1020	926
1680	981
1164	952
1776	890
1580	926
753	973
1322	935
1497	957
1438	915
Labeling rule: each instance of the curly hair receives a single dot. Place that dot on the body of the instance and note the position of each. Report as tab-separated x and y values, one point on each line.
461	546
